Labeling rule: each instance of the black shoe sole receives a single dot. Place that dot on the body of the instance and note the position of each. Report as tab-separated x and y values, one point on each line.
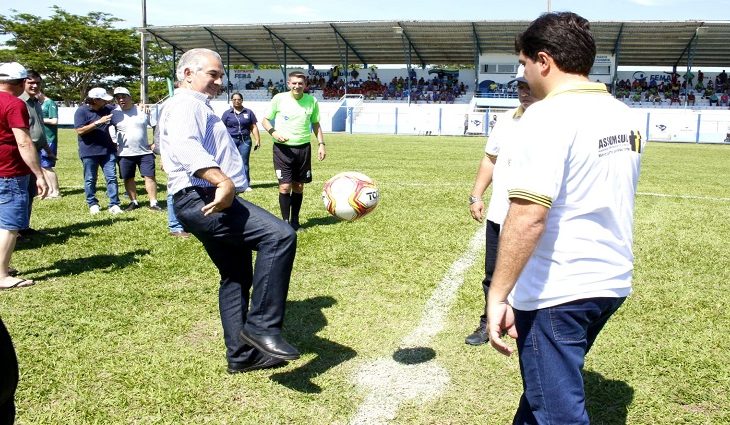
269	364
266	351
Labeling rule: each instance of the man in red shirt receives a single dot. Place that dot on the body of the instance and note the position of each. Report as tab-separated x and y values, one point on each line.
18	159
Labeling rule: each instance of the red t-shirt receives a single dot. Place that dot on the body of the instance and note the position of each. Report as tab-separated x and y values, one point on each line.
13	114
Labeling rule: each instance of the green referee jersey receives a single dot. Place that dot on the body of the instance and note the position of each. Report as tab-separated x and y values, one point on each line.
294	118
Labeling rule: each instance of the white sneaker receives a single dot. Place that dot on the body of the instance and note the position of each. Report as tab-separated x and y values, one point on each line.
94	209
249	189
114	209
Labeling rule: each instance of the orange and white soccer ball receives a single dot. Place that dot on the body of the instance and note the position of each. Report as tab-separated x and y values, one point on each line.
350	195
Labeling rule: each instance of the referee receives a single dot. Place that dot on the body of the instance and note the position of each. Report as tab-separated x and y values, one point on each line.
296	115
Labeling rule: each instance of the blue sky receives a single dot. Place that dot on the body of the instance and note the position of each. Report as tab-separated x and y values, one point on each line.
168	12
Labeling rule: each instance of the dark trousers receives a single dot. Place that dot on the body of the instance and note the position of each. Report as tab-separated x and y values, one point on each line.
229	237
552	345
8	377
490	262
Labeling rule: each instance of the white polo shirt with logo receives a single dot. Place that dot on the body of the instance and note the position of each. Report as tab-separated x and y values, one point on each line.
577	153
502	135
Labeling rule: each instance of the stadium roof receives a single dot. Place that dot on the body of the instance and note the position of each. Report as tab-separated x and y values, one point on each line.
636	43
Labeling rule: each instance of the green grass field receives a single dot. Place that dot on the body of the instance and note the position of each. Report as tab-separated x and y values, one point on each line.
123	326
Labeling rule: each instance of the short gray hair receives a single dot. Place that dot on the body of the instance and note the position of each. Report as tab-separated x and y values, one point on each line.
193	59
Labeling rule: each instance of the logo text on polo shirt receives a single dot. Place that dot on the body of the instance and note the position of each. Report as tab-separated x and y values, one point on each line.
620	143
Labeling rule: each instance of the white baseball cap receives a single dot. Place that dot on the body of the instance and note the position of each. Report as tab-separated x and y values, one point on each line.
520	76
121	90
12	71
99	93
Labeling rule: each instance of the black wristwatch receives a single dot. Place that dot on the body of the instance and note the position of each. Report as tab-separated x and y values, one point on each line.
474	199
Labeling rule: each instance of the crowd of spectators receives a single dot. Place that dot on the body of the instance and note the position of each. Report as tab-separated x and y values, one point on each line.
442	88
690	88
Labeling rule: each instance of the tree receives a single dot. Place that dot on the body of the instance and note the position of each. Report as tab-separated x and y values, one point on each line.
72	52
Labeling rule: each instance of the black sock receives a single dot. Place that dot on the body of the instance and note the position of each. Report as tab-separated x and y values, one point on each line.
284	205
296	205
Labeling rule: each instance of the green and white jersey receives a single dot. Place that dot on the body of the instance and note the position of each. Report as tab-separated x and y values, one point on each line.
294	118
577	152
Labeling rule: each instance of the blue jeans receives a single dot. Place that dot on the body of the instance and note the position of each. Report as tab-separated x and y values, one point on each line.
229	237
14	203
172	224
244	148
108	166
552	345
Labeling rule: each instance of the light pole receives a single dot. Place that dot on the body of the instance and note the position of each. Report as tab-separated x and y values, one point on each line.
143	48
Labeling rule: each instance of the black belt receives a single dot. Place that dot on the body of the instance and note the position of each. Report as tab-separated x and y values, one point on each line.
202	190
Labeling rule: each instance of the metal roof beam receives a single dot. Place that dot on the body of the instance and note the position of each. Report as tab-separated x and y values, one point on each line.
410	43
688	46
173	45
476	38
212	33
273	34
349	46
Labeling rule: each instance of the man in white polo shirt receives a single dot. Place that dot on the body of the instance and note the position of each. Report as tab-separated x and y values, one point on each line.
133	149
491	172
565	258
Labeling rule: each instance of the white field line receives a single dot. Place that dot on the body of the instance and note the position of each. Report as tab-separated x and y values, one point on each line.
390	383
701	198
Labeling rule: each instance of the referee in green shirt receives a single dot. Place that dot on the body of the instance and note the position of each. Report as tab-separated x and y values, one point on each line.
296	116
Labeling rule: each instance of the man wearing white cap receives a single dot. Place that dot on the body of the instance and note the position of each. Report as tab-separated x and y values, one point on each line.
491	171
96	148
18	159
133	149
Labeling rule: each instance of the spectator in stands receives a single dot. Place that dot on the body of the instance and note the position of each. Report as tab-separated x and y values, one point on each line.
298	117
691	98
724	99
714	99
241	125
722	77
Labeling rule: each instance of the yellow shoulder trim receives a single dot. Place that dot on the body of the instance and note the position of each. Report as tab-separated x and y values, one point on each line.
543	200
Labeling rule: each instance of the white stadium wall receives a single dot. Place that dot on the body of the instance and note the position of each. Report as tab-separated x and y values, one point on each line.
659	124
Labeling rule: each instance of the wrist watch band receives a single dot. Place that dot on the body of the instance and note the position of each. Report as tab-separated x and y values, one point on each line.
474	199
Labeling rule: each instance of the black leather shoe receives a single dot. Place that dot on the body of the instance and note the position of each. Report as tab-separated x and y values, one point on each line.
272	345
478	337
265	362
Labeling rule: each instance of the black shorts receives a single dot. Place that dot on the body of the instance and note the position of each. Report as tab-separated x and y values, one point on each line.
146	164
293	164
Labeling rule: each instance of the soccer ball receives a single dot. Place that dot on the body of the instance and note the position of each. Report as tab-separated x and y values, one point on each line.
350	195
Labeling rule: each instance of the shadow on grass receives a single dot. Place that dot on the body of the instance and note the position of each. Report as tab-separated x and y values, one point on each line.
309	319
109	262
607	400
264	185
320	221
414	355
59	235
